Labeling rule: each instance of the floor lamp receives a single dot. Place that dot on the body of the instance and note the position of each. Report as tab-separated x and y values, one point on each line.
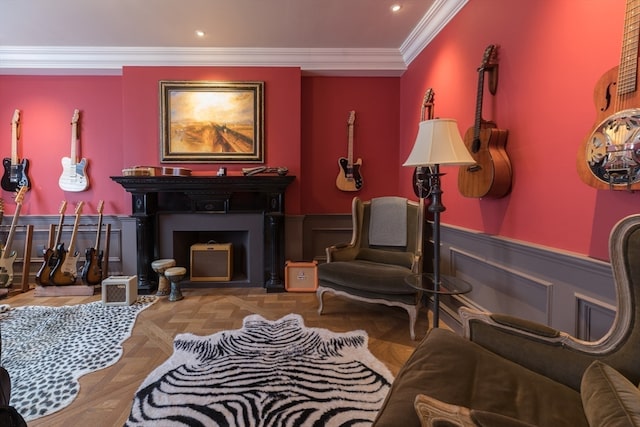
438	143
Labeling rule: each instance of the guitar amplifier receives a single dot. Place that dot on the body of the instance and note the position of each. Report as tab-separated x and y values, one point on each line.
301	276
211	262
120	290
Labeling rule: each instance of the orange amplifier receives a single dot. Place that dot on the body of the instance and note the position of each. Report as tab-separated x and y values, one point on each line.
301	276
211	262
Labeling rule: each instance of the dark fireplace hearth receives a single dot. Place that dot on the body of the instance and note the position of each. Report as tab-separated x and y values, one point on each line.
174	212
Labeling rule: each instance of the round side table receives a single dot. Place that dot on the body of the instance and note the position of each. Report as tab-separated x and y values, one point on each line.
448	285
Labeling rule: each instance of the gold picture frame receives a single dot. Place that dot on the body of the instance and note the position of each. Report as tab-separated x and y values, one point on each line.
212	122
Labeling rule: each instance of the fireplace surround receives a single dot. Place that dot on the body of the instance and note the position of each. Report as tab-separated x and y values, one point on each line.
247	209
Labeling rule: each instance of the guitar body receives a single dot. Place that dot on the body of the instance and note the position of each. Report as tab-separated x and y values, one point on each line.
6	269
349	179
92	270
42	276
64	271
74	175
491	175
14	176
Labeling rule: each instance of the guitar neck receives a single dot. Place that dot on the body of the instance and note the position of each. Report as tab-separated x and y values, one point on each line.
627	71
480	95
74	136
14	142
7	247
350	147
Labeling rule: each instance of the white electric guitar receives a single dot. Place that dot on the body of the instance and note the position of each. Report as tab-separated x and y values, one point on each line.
74	173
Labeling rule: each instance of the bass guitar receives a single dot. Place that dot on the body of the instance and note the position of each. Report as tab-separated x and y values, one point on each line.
51	255
65	272
491	175
421	186
92	268
609	157
349	178
8	256
74	173
15	171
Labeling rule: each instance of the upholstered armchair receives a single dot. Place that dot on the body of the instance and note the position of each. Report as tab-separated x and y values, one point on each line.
385	247
508	371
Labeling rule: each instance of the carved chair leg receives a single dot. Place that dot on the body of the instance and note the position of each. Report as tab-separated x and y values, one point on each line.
320	293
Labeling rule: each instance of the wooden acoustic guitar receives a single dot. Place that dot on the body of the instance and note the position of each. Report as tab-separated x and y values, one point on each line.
349	178
74	173
92	268
15	171
421	185
491	175
609	157
65	272
51	255
8	256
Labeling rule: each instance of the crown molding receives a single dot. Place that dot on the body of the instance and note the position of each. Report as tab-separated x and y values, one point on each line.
101	60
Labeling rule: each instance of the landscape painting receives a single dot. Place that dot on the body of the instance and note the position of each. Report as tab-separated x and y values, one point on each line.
212	122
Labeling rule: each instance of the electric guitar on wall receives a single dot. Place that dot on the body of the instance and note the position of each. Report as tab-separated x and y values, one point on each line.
421	186
491	175
92	269
65	272
349	178
609	158
15	171
74	173
51	255
8	256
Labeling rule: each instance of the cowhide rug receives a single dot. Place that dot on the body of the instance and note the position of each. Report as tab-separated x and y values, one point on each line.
46	349
269	373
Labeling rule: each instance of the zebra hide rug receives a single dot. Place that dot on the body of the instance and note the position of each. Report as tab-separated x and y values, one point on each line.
269	373
47	349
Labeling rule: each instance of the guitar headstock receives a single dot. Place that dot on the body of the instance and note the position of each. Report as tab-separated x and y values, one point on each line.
20	196
489	58
75	117
352	117
16	117
100	206
427	104
79	208
63	207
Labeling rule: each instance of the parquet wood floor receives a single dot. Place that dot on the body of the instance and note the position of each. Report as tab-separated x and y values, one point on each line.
105	396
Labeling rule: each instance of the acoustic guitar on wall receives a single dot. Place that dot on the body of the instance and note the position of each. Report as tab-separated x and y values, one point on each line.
421	185
491	175
349	178
74	173
15	170
609	157
8	256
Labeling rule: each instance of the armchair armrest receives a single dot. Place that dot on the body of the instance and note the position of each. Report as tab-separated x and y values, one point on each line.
538	347
341	252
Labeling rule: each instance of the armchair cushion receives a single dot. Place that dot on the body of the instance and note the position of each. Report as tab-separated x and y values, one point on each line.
609	399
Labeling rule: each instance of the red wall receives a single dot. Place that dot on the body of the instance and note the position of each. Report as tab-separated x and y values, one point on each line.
551	54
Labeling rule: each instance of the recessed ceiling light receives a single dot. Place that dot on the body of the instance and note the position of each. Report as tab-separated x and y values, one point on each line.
395	8
200	33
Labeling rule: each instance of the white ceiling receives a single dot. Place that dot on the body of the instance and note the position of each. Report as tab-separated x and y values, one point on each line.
357	37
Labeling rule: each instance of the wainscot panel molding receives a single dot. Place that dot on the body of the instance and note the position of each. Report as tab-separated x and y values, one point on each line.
566	291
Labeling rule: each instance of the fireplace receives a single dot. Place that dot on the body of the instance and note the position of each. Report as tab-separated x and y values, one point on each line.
174	212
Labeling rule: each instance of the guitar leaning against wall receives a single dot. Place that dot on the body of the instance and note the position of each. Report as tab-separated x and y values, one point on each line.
92	268
65	272
51	255
609	158
8	256
491	175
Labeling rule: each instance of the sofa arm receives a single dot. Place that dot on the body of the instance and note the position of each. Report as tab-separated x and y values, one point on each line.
433	413
540	348
341	252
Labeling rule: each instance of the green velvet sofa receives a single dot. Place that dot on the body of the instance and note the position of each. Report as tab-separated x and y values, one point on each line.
507	371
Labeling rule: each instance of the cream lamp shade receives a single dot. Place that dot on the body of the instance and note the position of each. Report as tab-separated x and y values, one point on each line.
439	143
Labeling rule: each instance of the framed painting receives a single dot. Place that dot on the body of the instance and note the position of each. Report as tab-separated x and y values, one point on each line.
211	122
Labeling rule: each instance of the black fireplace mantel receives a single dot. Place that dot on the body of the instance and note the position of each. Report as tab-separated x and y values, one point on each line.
153	195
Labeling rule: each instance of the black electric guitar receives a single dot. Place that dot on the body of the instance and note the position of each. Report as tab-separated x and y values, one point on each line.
349	178
51	255
8	255
490	176
15	171
421	187
92	269
65	272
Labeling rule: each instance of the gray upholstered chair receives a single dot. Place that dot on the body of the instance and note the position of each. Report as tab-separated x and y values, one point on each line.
386	246
507	371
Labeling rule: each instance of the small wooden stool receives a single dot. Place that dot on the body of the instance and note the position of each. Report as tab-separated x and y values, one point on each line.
160	266
175	275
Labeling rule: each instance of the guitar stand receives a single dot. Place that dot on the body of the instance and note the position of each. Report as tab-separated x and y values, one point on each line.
80	289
